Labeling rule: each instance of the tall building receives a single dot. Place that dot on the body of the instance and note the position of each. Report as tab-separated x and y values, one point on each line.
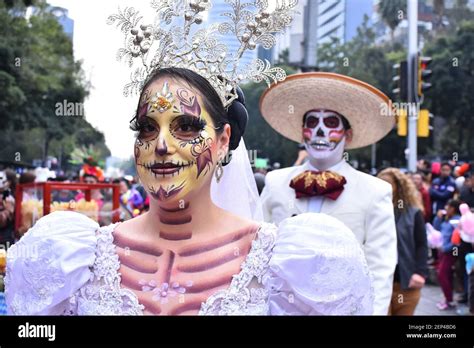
341	18
427	20
232	43
321	20
331	20
356	10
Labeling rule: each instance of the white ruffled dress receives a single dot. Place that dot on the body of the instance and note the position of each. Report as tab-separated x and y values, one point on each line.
310	265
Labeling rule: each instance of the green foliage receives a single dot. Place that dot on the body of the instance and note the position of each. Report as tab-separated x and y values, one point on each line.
259	135
361	59
392	12
37	71
451	96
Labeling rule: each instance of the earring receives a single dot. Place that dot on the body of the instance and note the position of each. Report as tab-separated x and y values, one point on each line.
219	171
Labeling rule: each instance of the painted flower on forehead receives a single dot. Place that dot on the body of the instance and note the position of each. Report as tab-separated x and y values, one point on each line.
163	100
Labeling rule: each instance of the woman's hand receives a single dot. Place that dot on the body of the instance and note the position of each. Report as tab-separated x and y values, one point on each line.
416	281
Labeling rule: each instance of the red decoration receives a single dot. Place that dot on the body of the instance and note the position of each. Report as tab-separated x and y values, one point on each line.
312	183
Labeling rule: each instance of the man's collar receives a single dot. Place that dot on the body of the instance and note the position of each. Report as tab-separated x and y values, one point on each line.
335	168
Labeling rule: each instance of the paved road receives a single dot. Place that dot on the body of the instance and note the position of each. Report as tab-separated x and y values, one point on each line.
430	296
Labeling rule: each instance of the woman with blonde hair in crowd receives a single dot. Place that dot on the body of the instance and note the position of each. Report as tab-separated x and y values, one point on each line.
412	268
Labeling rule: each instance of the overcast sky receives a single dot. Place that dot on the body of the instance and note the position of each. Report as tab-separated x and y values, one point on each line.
96	43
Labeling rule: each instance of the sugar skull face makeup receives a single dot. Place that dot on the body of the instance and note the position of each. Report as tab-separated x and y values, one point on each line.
175	149
324	134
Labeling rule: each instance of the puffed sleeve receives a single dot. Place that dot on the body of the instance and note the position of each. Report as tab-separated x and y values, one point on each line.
49	264
317	267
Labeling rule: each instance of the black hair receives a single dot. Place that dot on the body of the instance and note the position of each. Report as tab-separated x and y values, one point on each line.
345	122
420	173
455	203
122	179
446	164
236	115
90	176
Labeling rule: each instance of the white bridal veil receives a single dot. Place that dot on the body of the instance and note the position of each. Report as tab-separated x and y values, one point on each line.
237	191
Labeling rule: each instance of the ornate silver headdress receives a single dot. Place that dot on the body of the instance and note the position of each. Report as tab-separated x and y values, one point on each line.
168	43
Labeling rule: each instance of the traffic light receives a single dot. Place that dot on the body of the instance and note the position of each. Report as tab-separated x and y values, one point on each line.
423	75
423	128
400	81
402	123
423	123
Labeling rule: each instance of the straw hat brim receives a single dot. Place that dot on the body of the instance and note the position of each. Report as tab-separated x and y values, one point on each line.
368	110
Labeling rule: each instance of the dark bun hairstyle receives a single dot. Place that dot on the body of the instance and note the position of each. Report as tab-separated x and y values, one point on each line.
238	117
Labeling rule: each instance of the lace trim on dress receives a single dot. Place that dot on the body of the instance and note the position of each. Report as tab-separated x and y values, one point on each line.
42	281
239	298
103	294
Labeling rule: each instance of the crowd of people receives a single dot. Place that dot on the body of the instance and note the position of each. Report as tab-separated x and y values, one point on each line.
426	200
443	188
320	238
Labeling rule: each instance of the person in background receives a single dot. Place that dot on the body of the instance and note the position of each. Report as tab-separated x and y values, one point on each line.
442	188
470	272
424	166
467	191
443	223
125	212
130	197
63	195
326	183
11	181
424	193
302	155
96	195
7	208
28	178
412	268
466	232
3	264
466	196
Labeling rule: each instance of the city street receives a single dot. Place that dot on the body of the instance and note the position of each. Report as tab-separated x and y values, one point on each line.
290	158
430	296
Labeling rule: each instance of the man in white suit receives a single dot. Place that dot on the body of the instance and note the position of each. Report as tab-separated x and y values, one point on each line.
331	113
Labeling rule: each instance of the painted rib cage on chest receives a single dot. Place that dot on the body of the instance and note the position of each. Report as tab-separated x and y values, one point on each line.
171	278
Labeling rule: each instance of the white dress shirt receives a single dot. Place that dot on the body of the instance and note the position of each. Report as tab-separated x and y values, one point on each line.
316	202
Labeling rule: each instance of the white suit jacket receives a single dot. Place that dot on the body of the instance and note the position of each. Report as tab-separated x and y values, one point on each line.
365	206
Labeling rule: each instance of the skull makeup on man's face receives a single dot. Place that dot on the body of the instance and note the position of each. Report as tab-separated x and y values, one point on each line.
175	148
323	133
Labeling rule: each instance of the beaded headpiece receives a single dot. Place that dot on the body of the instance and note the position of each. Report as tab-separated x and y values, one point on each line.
173	40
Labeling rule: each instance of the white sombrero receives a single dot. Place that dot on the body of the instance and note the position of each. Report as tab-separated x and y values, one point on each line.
367	109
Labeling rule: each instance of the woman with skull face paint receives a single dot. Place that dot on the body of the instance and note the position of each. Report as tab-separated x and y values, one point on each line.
195	251
186	255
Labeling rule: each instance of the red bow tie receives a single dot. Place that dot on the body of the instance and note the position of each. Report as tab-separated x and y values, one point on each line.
311	183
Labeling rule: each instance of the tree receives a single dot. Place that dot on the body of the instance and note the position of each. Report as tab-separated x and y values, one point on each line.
392	12
361	59
260	136
456	15
451	95
439	7
38	71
